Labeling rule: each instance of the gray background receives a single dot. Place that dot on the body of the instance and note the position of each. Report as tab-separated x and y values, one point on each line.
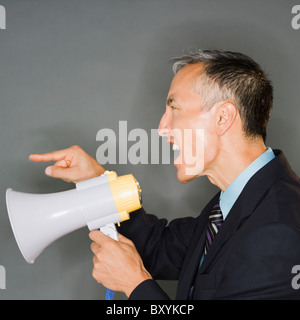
70	68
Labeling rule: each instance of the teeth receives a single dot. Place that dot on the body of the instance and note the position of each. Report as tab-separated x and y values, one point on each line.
175	147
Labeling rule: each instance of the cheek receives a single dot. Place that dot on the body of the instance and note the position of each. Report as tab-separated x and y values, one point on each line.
210	147
192	151
203	146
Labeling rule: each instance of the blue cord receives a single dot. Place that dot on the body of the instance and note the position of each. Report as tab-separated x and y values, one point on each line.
109	294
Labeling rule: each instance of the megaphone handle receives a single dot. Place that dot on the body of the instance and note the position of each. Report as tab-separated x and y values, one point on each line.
111	231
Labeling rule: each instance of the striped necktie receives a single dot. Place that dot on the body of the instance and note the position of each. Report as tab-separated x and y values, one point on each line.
215	221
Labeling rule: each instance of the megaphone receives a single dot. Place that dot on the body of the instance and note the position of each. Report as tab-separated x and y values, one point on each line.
37	220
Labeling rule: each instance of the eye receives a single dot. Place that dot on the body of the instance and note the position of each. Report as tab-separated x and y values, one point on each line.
173	108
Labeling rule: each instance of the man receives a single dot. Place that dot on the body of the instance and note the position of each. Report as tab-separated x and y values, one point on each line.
245	242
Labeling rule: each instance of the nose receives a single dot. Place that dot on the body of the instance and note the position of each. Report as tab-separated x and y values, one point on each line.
164	128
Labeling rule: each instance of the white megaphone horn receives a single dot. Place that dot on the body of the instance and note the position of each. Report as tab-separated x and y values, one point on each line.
38	220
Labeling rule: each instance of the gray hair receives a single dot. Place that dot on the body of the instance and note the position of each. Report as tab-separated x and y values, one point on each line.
235	77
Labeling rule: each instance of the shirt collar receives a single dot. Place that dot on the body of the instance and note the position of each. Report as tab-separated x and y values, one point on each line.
230	195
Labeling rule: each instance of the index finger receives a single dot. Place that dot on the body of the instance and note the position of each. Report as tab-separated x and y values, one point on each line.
98	236
49	156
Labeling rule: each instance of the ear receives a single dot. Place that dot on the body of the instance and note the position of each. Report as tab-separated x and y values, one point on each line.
226	113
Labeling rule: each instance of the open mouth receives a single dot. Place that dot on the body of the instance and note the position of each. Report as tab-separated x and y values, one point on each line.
175	147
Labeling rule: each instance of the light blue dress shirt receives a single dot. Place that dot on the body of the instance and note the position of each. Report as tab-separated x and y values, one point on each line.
230	195
232	192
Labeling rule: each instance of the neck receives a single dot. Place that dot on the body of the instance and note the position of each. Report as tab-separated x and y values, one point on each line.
233	160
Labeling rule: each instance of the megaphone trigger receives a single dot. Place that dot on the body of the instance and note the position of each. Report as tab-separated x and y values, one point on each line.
111	231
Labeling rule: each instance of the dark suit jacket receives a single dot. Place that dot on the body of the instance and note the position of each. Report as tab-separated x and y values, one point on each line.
252	255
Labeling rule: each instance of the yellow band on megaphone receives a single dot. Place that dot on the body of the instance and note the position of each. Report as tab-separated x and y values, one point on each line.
111	175
126	193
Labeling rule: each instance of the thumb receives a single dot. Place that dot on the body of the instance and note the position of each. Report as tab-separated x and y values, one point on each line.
59	172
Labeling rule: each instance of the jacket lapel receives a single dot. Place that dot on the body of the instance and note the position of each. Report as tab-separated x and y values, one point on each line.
228	228
191	263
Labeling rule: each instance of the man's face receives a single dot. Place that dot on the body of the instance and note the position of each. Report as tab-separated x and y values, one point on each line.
187	126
